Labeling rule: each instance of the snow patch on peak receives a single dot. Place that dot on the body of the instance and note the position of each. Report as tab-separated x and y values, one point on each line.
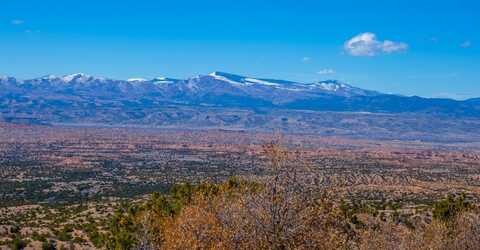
81	77
263	82
219	74
137	80
241	80
49	77
5	78
224	77
331	85
8	79
163	80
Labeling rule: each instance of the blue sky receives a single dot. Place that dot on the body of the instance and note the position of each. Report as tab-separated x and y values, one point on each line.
422	47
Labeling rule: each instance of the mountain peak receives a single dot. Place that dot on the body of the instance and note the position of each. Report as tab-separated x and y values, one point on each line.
332	85
162	80
244	83
137	80
49	77
76	76
224	74
227	77
81	78
5	77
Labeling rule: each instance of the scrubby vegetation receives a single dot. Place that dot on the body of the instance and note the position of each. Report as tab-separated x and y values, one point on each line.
286	211
288	206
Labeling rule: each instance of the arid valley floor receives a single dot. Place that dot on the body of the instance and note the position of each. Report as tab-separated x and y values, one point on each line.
54	177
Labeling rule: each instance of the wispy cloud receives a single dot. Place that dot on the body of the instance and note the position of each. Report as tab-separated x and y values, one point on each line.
326	72
17	22
29	31
367	44
306	59
466	44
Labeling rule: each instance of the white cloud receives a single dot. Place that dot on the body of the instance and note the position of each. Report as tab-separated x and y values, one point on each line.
366	44
466	44
17	22
306	59
326	72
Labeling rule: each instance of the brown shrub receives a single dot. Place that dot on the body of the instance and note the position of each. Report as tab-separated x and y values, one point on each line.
288	211
463	232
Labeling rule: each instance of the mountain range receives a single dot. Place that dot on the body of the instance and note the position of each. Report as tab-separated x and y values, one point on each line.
217	99
220	90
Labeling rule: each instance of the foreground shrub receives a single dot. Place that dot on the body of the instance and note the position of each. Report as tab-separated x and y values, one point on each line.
284	210
450	207
285	213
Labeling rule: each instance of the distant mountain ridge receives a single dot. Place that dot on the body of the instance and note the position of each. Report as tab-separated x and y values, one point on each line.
84	98
237	81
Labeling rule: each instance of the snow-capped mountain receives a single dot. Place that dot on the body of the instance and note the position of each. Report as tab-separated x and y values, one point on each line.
247	81
200	85
82	95
329	86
